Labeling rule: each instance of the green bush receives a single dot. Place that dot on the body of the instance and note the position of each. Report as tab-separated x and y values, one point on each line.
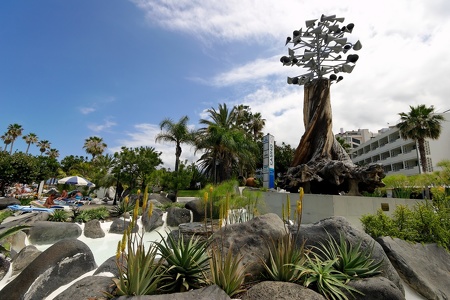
58	215
427	222
4	214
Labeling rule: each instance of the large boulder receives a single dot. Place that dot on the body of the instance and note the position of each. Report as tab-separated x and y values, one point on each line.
269	290
59	265
17	242
375	288
7	201
250	240
21	218
93	229
108	267
207	293
46	232
119	225
154	221
319	233
197	207
425	267
176	216
24	258
90	287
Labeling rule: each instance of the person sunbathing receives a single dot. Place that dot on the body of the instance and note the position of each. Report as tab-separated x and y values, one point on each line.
50	201
64	195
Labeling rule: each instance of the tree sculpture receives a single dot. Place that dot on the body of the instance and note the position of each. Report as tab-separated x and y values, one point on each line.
320	163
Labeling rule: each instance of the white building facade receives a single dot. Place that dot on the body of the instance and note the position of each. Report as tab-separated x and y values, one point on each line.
399	156
355	138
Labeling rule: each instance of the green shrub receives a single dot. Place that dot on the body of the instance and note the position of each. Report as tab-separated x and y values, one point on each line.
58	215
185	263
427	222
4	214
124	206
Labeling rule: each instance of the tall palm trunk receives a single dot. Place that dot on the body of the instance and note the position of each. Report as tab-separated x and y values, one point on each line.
423	157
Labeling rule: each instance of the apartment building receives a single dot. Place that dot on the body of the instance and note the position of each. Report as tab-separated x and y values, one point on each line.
355	138
399	156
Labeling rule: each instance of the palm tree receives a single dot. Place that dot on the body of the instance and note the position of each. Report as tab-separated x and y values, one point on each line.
43	146
6	139
256	124
177	133
30	138
53	153
14	131
224	144
346	146
94	145
419	124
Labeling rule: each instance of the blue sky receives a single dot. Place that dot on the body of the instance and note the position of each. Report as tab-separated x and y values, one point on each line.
116	68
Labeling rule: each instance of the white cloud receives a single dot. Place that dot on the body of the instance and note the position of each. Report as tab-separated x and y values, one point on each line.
101	127
87	110
144	136
403	61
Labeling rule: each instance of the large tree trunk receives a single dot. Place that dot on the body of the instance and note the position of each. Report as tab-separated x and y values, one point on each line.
320	164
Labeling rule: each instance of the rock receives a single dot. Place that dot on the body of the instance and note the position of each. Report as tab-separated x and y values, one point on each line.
270	290
375	288
172	197
46	232
176	216
315	233
93	230
207	293
161	198
4	266
90	287
7	201
154	221
17	242
426	268
60	264
250	239
119	225
24	258
198	209
109	266
23	219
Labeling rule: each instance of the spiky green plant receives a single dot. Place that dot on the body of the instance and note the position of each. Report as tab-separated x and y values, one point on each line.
140	272
227	271
124	206
321	276
284	256
350	260
185	262
58	215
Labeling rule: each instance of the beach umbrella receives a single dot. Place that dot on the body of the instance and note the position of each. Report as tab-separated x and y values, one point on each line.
51	181
76	180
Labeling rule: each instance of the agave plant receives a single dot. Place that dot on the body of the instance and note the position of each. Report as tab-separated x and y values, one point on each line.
227	271
58	215
350	260
186	263
284	256
324	278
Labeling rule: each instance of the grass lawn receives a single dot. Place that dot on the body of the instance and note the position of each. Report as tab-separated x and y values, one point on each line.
189	193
